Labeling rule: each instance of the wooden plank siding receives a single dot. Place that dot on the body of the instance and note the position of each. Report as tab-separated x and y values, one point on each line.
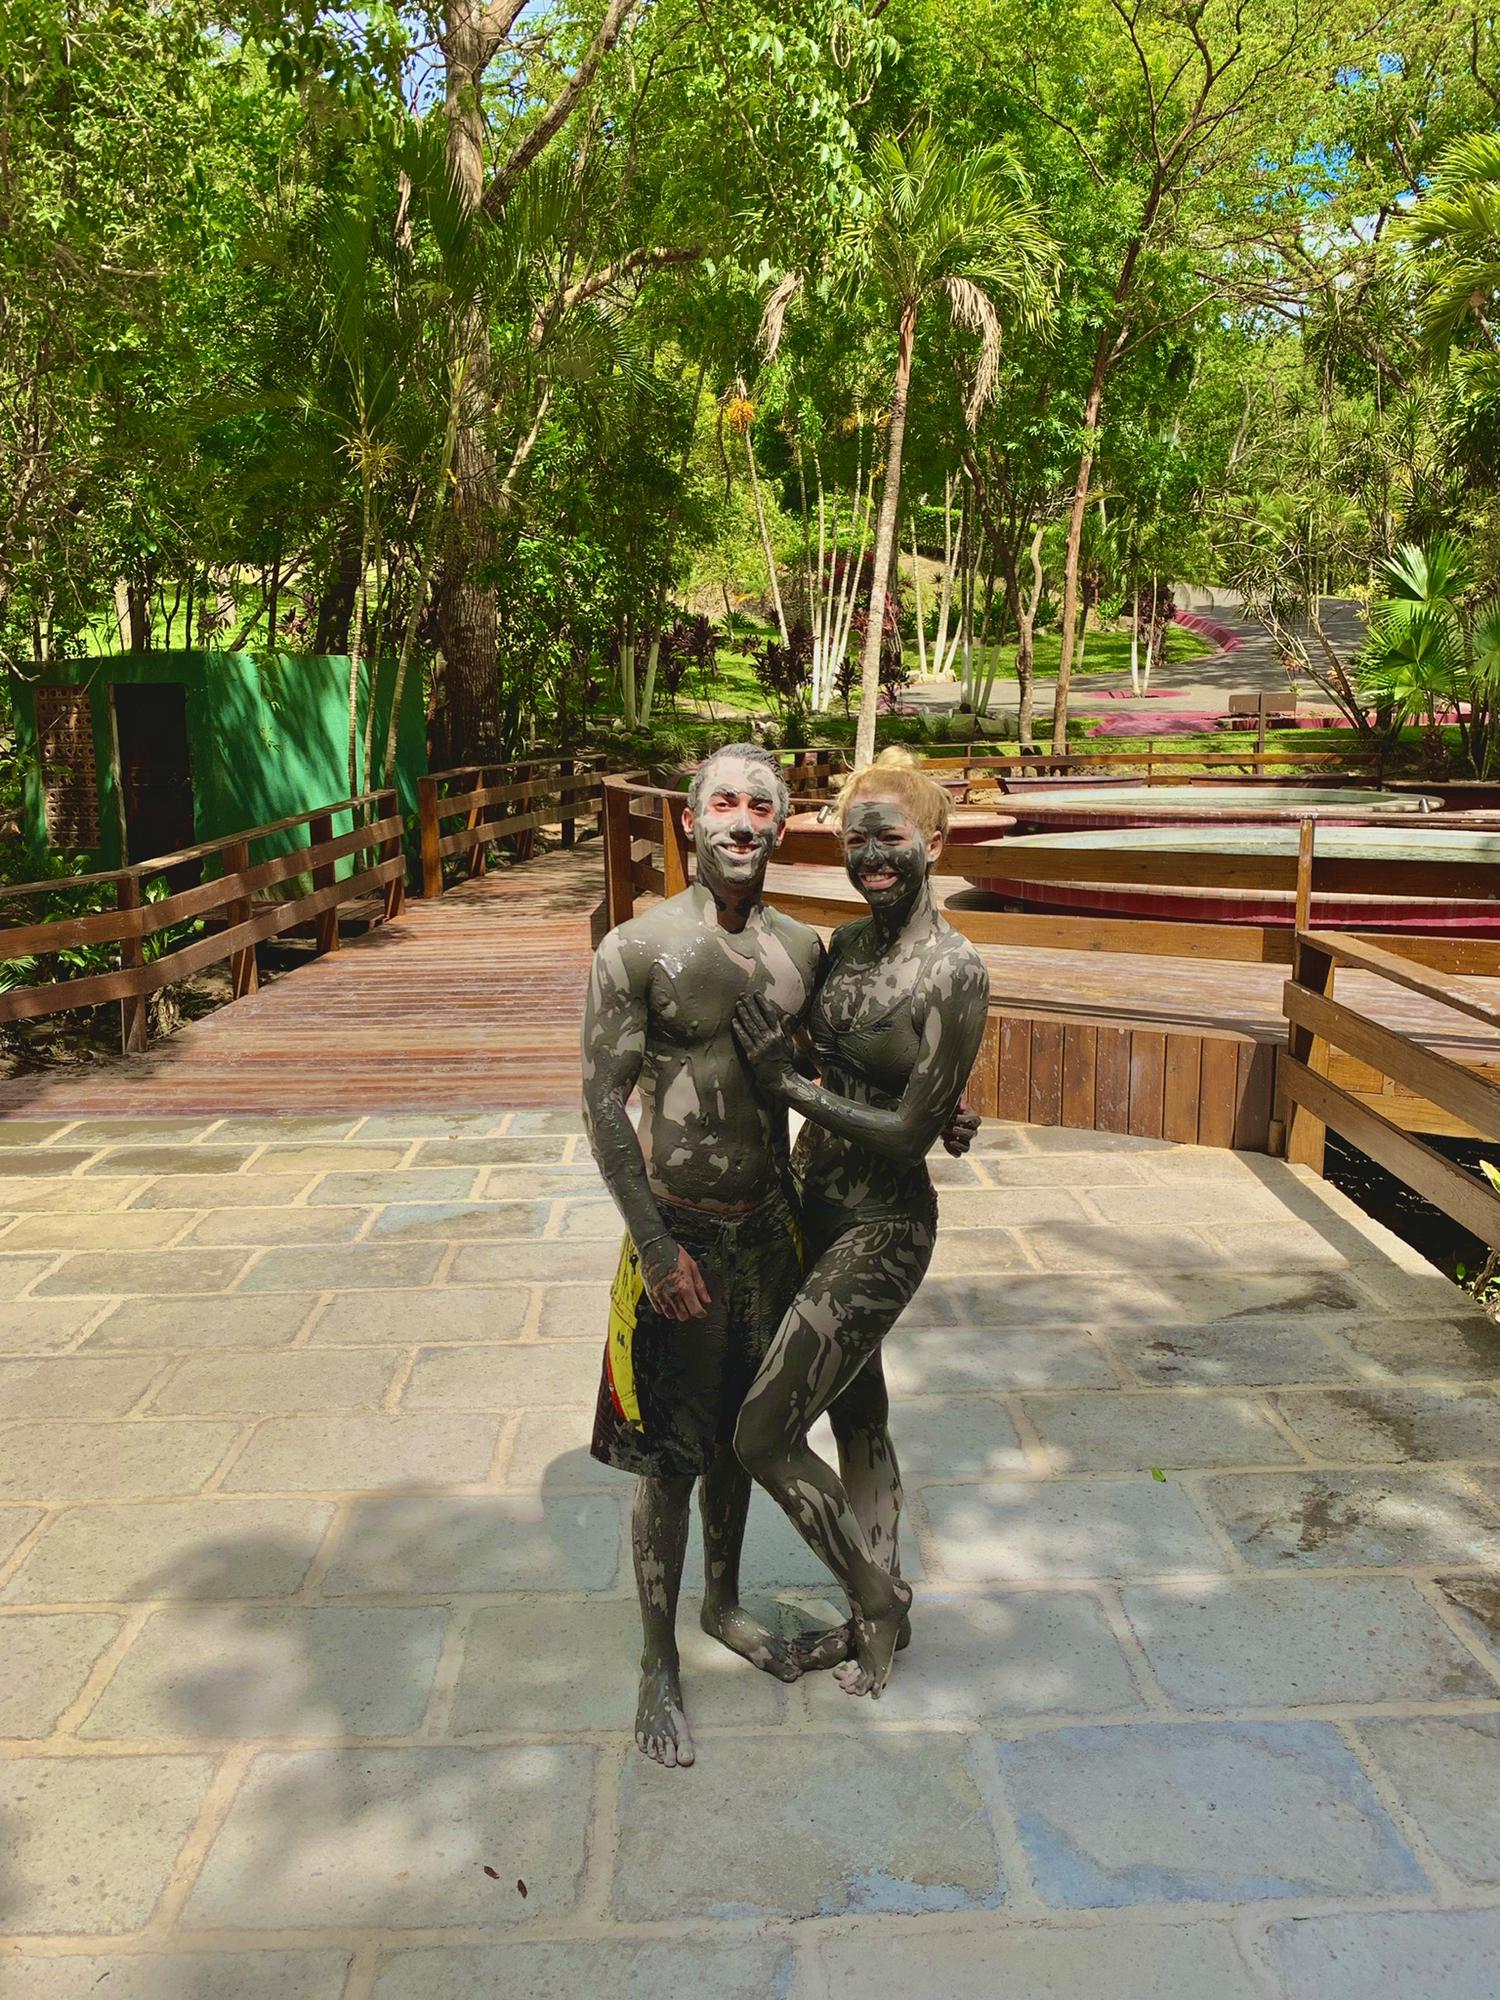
1204	1087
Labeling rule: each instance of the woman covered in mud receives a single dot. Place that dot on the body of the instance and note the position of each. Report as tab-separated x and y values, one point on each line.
896	1025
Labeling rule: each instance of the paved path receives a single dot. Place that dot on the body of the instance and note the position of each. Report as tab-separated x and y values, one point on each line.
317	1625
1186	694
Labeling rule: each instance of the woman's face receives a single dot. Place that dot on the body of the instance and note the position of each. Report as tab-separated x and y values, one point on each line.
886	853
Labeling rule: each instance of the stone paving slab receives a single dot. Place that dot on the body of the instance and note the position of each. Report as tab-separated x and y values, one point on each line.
63	1461
248	1672
393	1645
1125	1961
479	1545
1237	1812
1294	1641
175	1325
624	1968
1019	1532
1353	1518
1451	1955
212	1548
76	1385
250	1975
90	1842
1125	1433
364	1453
320	1838
849	1824
1447	1774
47	1661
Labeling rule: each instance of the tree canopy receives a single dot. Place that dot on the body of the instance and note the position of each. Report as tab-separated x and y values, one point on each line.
438	335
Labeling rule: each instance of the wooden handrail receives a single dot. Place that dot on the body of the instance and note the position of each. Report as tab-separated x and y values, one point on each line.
134	920
1310	1103
561	798
160	863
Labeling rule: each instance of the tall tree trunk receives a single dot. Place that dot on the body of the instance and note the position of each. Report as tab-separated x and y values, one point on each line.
466	594
885	542
765	541
336	599
1074	547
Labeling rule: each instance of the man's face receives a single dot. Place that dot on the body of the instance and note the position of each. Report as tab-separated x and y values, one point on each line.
737	825
886	853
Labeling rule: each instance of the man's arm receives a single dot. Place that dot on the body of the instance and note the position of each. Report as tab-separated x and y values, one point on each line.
952	1030
614	1047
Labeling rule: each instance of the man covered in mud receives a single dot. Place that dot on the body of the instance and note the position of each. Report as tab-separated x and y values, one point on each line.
712	1258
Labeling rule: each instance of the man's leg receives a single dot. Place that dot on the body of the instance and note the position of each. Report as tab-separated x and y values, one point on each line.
658	1534
724	1496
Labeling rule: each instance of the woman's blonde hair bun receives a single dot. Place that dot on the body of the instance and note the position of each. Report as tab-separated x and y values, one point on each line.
896	774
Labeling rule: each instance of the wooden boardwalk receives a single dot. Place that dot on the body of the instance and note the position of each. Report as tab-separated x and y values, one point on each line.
473	1003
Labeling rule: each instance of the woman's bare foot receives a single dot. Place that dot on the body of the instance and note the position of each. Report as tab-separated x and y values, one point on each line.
875	1646
732	1626
661	1729
816	1651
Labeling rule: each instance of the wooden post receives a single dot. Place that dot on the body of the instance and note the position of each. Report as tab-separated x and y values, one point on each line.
1150	760
244	975
1306	1136
430	825
324	874
674	845
569	802
132	955
1306	836
524	843
478	857
619	890
390	850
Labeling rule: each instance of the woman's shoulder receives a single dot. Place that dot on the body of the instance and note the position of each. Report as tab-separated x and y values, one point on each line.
956	964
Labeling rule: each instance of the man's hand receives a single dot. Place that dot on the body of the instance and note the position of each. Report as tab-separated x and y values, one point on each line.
681	1292
962	1128
763	1042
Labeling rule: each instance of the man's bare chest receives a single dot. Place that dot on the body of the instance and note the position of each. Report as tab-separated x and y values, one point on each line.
692	992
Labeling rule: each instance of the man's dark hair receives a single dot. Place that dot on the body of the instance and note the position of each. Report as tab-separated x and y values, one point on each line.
752	753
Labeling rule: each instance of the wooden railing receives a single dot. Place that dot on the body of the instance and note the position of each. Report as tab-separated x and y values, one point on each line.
234	897
646	851
502	802
1321	1028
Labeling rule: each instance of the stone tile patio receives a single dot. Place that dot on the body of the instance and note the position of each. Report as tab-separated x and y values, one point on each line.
317	1628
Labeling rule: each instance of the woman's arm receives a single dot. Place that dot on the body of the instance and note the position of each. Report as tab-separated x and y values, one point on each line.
955	998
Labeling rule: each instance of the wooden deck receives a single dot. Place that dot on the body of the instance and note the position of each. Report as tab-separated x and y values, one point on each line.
473	1002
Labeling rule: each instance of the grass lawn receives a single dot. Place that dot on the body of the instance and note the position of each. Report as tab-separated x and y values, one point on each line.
1105	653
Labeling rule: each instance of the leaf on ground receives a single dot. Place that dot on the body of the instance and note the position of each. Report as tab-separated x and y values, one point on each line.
1157	1473
493	1873
521	1887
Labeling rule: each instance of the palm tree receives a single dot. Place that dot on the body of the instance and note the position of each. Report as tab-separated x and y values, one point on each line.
960	227
1430	650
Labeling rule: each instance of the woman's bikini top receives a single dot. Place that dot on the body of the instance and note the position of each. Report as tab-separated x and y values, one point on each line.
881	1053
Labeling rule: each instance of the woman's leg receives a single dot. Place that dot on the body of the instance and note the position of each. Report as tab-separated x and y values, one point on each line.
845	1306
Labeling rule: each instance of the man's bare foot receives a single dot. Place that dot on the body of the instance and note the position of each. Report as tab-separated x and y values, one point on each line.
815	1651
874	1647
732	1626
661	1729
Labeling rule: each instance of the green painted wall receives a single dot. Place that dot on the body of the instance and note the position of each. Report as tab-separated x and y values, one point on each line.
268	737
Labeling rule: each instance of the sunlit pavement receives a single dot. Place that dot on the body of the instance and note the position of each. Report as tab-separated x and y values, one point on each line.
317	1628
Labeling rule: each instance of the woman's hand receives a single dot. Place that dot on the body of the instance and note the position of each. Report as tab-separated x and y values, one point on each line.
763	1042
